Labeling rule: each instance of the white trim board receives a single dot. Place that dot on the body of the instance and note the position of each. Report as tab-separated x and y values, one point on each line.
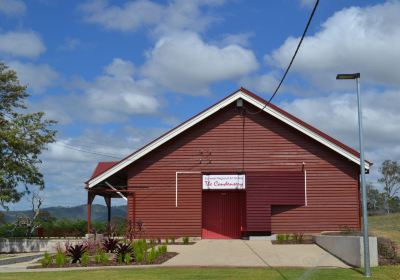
220	105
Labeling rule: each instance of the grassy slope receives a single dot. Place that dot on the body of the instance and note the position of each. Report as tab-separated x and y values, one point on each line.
208	273
386	226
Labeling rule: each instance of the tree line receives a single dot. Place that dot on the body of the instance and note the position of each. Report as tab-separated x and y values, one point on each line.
386	199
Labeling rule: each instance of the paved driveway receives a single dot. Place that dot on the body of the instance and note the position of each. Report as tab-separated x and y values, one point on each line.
251	253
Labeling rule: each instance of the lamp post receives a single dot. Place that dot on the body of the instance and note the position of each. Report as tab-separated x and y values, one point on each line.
367	266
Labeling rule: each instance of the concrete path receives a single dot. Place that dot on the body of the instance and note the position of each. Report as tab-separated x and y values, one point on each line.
226	253
251	253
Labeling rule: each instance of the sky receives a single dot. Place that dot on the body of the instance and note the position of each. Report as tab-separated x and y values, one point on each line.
117	74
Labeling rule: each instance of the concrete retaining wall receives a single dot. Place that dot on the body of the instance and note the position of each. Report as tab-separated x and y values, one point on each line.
17	245
349	248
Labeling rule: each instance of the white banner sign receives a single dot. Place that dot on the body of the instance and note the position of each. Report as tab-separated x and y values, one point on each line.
224	182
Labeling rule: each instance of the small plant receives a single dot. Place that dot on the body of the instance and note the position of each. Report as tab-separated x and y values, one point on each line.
122	250
76	251
128	259
346	230
159	240
300	237
61	259
97	258
162	249
185	240
119	259
166	240
280	238
151	257
140	248
110	244
286	237
85	259
104	258
47	260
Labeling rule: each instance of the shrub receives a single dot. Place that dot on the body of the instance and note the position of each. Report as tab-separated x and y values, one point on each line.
173	239
162	249
300	237
387	248
92	246
280	238
76	252
122	250
346	230
110	244
97	258
104	258
85	259
140	248
61	259
185	240
151	257
47	260
128	259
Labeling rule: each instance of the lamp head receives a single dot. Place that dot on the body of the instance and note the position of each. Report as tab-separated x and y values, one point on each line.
348	76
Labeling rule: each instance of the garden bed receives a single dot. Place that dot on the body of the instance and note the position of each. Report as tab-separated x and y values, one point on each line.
293	239
292	242
159	260
108	252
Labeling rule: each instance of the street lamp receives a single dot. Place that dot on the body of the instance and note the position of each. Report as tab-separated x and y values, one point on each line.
367	266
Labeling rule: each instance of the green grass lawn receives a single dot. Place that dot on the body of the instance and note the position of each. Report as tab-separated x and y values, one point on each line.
386	226
392	272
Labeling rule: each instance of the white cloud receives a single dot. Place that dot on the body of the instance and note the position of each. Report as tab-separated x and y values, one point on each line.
336	115
65	170
38	77
113	96
70	44
120	68
355	39
175	16
24	44
132	15
12	7
117	93
265	83
185	63
241	39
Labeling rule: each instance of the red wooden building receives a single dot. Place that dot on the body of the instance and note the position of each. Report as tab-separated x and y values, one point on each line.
239	168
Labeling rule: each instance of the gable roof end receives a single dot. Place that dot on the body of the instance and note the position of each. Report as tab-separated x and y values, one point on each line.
253	99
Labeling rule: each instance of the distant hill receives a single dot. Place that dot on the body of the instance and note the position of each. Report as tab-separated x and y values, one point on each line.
99	212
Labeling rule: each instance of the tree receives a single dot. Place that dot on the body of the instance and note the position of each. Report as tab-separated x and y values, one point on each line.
23	137
375	198
390	180
29	223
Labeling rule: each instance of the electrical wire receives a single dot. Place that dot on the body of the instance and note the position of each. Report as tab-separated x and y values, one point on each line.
291	61
85	151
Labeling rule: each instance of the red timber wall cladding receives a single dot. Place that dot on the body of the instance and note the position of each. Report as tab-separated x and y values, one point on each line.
263	148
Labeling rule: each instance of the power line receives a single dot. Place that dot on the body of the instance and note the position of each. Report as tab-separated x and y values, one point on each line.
291	61
85	151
